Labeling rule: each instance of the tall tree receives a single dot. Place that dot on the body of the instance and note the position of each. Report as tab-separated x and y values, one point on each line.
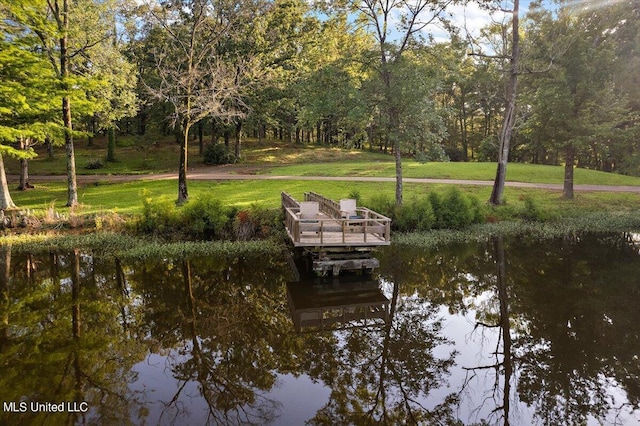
504	142
195	73
398	26
575	104
69	33
27	105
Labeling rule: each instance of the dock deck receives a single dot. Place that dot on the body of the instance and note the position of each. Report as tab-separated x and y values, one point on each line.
330	225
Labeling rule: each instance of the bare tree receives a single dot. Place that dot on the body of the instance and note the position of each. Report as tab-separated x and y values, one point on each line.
497	194
197	72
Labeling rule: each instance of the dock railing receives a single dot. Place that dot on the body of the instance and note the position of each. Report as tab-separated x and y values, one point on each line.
367	228
327	205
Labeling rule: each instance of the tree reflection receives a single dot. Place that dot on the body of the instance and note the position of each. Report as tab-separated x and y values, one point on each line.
226	325
62	342
79	326
500	392
384	375
565	319
583	330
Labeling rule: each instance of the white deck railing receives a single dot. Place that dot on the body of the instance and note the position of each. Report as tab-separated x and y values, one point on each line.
370	228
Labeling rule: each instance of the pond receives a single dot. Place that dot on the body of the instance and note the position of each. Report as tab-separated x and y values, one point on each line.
503	332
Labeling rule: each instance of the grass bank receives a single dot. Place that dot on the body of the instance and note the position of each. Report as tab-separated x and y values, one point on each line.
138	248
516	172
126	198
589	223
113	202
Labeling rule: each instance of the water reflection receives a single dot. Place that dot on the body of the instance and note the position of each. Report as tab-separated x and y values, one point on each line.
507	332
329	304
553	327
379	364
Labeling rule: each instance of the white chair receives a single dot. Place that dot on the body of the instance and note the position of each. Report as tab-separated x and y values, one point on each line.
348	208
309	210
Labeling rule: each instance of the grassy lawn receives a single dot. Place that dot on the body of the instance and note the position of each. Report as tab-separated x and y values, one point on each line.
516	172
137	156
126	198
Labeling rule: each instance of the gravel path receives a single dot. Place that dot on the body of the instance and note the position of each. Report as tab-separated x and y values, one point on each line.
237	174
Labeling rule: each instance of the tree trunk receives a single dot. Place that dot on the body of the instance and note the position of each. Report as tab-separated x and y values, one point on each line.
91	126
567	189
200	139
5	197
49	143
183	194
505	325
24	175
5	276
25	143
72	185
398	157
463	130
142	120
75	294
111	144
497	194
214	132
238	139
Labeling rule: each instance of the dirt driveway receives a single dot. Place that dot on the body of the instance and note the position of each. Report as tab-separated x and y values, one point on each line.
235	172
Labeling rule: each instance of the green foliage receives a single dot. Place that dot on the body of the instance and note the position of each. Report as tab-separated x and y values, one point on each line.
456	212
488	150
600	222
159	216
382	204
416	215
532	211
206	217
453	210
217	154
435	153
257	222
94	164
355	195
136	248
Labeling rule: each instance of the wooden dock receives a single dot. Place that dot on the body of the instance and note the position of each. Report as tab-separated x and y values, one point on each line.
353	303
339	235
332	227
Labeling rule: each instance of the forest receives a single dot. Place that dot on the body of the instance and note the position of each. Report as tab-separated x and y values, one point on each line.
557	84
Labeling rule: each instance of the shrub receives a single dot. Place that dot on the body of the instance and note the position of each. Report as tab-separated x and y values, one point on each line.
158	215
217	154
438	210
382	204
207	217
435	152
479	211
531	211
488	150
94	164
414	216
355	195
256	222
457	210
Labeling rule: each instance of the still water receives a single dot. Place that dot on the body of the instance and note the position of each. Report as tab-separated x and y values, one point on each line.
503	332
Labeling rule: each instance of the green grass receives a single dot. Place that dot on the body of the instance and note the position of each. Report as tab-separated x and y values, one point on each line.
137	156
516	172
140	155
126	198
